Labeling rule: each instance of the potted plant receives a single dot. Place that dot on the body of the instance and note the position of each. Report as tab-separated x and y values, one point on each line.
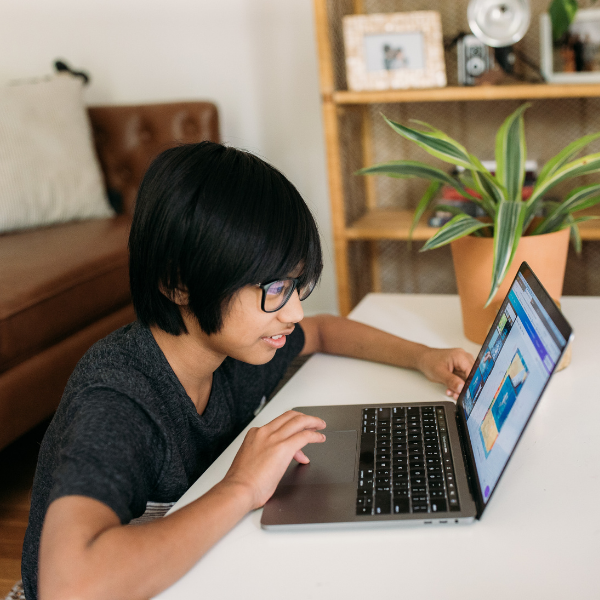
512	228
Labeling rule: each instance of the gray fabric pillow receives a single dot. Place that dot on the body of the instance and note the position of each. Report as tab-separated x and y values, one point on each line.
49	172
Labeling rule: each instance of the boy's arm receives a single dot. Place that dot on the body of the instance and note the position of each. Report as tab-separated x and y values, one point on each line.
85	552
344	337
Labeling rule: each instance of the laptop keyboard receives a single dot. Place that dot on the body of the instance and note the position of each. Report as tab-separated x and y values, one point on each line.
405	462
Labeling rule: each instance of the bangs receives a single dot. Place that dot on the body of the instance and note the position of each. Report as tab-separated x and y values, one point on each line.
286	236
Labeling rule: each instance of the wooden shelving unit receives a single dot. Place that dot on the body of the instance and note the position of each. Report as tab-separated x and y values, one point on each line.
469	94
359	215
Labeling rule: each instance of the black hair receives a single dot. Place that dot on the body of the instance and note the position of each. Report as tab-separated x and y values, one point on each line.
211	219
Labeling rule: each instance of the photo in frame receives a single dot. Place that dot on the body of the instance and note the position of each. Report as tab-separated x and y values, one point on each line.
394	51
577	58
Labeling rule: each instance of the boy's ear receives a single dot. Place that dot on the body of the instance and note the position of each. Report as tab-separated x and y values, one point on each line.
179	295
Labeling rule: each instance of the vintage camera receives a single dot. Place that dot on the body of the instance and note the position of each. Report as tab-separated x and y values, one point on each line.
474	59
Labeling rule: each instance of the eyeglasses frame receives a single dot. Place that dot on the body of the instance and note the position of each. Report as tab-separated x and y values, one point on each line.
265	286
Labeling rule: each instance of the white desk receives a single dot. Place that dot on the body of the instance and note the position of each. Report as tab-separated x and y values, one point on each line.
538	538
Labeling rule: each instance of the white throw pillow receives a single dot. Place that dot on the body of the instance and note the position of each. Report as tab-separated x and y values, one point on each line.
49	172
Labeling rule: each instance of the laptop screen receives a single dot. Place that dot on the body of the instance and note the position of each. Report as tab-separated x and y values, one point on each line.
509	376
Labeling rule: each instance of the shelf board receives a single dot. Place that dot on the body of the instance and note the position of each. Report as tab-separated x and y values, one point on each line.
529	91
388	224
392	224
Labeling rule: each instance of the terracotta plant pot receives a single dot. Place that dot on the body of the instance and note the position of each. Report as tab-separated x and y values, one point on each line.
472	256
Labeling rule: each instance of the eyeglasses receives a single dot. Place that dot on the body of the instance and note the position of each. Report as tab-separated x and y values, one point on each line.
276	293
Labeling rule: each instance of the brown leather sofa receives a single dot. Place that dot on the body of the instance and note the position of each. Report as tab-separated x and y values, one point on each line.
64	287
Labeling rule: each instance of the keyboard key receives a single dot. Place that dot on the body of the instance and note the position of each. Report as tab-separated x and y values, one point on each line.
383	472
437	494
365	484
383	444
383	464
417	481
454	506
364	501
382	480
383	488
439	505
383	504
363	510
400	486
419	507
383	414
399	453
419	489
401	505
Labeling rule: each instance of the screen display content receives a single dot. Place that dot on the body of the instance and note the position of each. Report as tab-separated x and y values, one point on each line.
510	375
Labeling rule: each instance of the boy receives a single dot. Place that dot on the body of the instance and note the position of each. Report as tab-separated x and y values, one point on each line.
222	251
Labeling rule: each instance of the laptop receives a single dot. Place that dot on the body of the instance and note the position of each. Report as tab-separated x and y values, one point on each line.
434	461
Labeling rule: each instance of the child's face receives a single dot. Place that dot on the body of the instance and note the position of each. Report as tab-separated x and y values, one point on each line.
251	335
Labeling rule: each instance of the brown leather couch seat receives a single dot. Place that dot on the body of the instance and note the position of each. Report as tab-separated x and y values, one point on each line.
57	280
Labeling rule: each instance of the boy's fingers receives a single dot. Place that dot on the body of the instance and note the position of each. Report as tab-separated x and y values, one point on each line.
294	417
463	363
454	383
301	457
299	440
298	424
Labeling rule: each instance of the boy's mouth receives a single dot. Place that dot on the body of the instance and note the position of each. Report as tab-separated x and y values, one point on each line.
275	341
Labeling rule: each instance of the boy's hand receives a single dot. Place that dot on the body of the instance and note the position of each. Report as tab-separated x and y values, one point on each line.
267	451
450	366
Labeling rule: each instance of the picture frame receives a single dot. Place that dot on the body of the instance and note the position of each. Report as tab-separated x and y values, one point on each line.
581	57
394	51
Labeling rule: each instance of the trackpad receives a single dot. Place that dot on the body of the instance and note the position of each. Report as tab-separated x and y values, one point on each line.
333	461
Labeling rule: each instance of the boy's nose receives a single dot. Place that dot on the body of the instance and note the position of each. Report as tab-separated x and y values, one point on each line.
292	311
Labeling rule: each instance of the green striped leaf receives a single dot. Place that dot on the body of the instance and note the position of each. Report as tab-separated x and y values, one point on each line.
427	197
575	235
459	226
581	166
511	153
579	199
436	143
491	192
508	228
564	156
407	169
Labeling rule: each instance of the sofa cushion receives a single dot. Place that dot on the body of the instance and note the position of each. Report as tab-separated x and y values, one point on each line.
58	279
49	172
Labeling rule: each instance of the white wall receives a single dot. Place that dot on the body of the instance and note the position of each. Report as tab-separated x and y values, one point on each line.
255	58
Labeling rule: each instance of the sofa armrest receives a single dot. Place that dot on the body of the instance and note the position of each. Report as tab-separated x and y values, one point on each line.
127	138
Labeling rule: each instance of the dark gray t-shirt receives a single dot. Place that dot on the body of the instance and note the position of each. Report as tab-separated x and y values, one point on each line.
126	433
